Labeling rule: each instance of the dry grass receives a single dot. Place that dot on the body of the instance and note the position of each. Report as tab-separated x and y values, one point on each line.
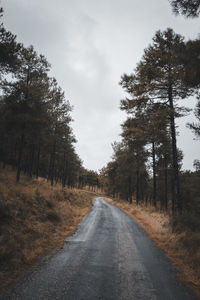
183	248
35	218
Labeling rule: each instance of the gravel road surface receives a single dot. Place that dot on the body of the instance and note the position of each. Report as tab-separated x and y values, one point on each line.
109	257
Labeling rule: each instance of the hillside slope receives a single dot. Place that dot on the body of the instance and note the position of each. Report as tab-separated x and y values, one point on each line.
35	218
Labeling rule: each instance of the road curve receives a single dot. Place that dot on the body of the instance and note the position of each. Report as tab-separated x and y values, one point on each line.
109	257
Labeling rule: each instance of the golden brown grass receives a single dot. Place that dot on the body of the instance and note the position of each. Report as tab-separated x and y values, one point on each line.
183	248
35	218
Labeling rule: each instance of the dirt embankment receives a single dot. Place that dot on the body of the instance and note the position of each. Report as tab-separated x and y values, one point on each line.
35	218
183	247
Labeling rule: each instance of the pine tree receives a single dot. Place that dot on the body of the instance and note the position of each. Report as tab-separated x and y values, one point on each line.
158	79
9	50
195	127
188	8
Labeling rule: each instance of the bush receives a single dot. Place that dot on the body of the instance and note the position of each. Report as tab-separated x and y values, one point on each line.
5	213
186	222
53	217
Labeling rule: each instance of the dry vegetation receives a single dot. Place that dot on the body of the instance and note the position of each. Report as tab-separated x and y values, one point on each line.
182	247
35	218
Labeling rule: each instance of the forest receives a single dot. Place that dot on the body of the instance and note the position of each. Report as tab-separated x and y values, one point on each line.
147	164
36	136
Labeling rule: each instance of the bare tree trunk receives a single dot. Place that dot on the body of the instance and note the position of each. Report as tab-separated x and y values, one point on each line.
31	161
21	148
137	185
130	189
50	166
63	170
38	161
154	175
53	163
166	182
15	156
177	199
5	152
172	193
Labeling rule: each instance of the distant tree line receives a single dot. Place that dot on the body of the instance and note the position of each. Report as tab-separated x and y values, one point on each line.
90	180
146	165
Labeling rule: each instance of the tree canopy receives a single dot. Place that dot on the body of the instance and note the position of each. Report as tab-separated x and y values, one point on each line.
188	8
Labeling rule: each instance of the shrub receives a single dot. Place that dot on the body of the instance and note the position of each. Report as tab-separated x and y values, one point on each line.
53	217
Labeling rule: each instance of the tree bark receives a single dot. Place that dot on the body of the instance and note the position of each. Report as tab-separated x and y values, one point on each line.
172	193
130	189
154	175
15	156
53	163
31	161
21	148
137	185
50	166
38	162
178	202
166	182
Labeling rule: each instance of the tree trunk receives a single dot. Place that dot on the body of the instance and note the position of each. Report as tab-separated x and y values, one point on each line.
53	163
137	185
172	192
64	170
146	200
166	182
38	162
15	156
4	149
31	161
130	189
154	175
50	166
177	199
21	148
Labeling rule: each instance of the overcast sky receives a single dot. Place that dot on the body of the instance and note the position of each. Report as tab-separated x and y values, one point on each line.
90	44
